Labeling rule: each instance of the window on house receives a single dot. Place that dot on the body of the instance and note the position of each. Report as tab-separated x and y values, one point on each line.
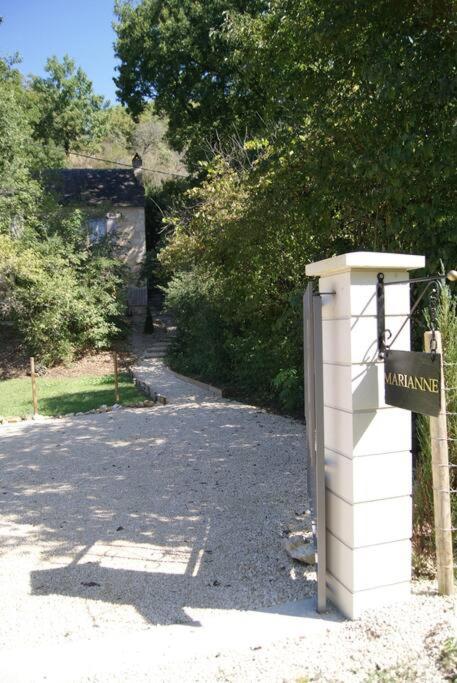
97	229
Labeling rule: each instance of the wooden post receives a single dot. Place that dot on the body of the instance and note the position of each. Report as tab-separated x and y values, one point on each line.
116	377
34	391
441	487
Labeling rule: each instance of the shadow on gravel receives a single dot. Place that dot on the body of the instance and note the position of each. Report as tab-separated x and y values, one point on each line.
167	594
164	509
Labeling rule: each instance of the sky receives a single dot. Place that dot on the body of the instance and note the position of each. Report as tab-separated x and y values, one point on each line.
39	29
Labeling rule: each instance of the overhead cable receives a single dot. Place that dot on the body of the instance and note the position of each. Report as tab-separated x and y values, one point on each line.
120	163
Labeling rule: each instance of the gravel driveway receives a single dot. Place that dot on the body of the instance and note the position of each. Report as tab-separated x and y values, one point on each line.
147	545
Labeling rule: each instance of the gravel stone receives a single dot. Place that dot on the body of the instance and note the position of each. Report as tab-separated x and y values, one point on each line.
149	547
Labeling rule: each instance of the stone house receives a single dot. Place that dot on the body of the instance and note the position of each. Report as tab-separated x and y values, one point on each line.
114	202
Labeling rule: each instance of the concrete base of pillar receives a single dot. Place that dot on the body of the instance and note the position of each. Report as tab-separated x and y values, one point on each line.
353	605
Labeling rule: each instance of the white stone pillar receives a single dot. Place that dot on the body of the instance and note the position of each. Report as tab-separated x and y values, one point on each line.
367	443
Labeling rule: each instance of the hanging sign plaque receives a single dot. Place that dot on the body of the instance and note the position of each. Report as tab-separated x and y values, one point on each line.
412	381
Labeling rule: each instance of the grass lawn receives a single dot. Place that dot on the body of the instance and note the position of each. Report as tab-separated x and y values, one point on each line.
58	396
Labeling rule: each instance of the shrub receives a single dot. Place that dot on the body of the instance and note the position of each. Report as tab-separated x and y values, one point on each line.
62	302
259	357
197	349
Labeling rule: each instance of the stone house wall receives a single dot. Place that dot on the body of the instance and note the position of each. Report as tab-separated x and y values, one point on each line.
125	225
129	234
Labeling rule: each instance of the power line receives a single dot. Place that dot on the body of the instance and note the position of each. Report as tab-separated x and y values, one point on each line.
119	163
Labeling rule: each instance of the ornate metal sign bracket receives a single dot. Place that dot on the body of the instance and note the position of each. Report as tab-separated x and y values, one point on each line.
384	335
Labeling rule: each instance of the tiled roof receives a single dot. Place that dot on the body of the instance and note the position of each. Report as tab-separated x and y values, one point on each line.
93	186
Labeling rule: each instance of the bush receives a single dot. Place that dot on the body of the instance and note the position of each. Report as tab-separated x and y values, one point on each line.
64	299
198	347
258	357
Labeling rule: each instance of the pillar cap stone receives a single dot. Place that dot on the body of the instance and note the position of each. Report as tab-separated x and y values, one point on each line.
365	260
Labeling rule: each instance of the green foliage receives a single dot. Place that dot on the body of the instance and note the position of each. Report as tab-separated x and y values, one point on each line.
197	348
119	126
19	191
252	356
63	297
113	142
288	385
353	149
257	270
362	104
177	53
448	659
423	489
66	111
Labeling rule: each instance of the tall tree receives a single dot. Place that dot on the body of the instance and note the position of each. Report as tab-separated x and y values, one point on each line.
19	191
176	52
66	109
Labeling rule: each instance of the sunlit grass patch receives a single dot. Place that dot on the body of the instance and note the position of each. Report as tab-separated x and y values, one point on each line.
59	396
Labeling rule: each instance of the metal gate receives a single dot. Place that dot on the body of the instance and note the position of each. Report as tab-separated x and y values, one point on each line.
314	415
137	296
